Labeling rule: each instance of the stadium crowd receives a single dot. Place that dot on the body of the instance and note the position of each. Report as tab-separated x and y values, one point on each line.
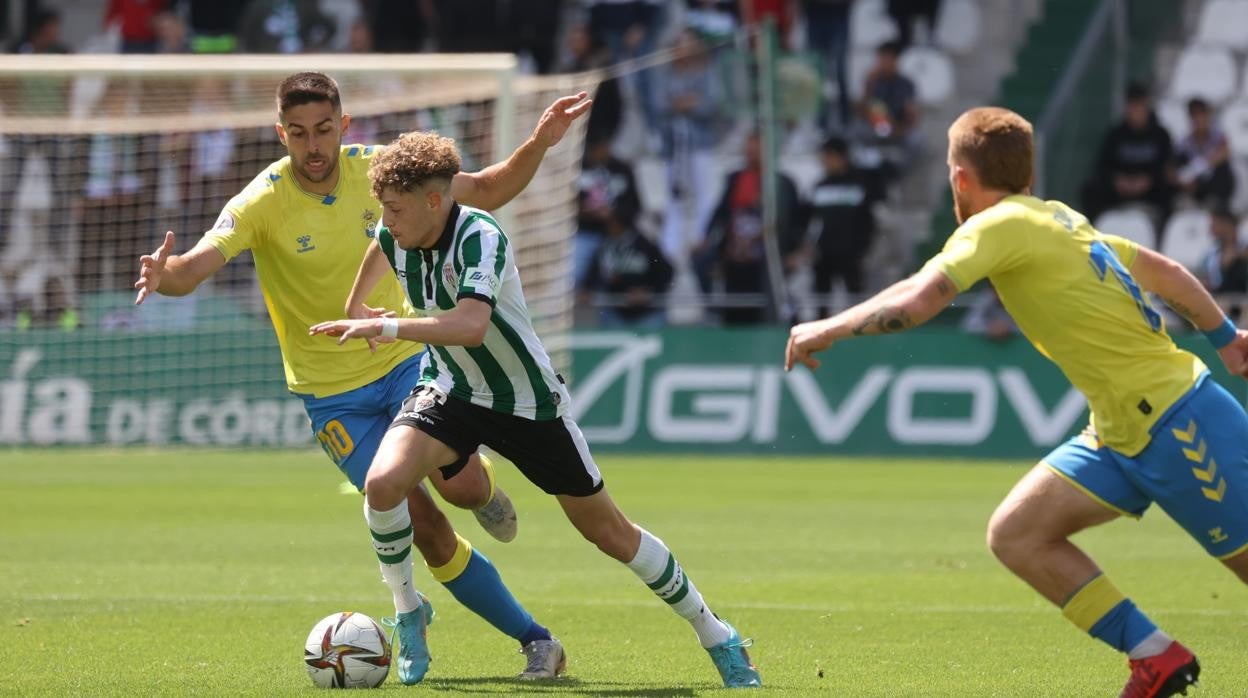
645	254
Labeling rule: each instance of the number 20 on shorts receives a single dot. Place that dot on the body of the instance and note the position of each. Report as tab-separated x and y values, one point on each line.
335	440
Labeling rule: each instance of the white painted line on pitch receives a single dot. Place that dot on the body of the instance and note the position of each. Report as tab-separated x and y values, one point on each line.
642	602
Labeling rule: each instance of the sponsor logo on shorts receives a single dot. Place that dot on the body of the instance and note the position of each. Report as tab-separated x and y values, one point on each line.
414	417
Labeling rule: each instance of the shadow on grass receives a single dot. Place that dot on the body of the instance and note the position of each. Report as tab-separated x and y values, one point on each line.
566	684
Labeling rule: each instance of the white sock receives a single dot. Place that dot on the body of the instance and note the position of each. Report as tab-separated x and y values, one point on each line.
392	541
658	568
1151	646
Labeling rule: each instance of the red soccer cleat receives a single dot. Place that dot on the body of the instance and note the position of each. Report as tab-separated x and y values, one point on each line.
1162	675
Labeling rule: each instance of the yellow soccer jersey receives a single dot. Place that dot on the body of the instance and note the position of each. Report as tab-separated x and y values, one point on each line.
1068	288
308	249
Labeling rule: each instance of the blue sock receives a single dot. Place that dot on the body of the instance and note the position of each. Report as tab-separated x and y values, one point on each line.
473	581
534	633
1124	627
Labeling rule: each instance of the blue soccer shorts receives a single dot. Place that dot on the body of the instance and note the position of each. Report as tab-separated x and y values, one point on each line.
1195	468
350	425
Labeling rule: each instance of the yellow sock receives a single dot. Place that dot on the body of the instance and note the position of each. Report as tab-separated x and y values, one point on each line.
456	565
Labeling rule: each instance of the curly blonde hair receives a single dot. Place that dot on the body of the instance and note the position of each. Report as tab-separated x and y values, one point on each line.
412	160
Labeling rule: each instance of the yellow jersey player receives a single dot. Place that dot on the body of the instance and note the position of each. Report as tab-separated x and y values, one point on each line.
1161	430
308	220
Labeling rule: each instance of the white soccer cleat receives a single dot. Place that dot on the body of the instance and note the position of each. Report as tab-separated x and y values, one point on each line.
497	516
545	659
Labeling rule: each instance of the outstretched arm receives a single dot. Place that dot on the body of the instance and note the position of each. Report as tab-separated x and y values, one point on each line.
465	326
176	274
1182	292
501	182
906	304
372	269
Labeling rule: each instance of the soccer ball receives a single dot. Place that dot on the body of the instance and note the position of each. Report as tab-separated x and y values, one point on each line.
347	650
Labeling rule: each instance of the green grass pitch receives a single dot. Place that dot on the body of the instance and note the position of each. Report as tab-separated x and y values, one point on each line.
193	572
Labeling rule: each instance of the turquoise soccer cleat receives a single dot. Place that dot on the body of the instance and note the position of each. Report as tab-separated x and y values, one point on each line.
413	649
733	662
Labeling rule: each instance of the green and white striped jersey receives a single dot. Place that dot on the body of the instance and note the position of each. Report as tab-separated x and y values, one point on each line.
510	372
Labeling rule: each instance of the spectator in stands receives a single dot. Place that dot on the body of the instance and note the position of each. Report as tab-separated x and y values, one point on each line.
632	271
891	112
607	190
471	26
285	26
584	53
827	36
1203	159
360	38
214	25
734	244
692	126
904	14
842	223
117	197
44	35
170	33
532	30
754	12
1133	163
630	28
401	26
1225	270
714	21
134	21
36	96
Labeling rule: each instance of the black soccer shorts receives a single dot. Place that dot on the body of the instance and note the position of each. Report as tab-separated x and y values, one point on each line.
552	454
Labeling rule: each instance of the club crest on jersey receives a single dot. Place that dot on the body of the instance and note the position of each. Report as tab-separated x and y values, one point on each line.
305	244
370	222
448	275
224	222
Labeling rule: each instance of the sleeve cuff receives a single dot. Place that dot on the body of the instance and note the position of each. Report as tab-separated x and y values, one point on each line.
476	296
219	244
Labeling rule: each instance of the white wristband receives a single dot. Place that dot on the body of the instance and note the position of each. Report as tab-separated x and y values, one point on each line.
389	327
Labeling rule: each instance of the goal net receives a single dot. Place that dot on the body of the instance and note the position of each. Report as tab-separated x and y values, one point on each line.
99	155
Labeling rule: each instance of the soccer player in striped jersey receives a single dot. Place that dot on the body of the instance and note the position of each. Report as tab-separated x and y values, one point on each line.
489	381
1161	431
308	219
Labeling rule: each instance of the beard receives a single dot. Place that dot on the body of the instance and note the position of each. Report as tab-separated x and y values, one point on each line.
959	209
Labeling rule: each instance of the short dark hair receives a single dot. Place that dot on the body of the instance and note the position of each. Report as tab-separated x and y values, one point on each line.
305	88
997	144
836	144
1137	91
42	17
1196	104
893	48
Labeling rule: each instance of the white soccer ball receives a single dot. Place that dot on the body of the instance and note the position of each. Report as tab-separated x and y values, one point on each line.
347	650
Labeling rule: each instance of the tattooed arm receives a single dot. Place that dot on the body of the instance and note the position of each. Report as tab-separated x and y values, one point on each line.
1181	291
1177	287
906	304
